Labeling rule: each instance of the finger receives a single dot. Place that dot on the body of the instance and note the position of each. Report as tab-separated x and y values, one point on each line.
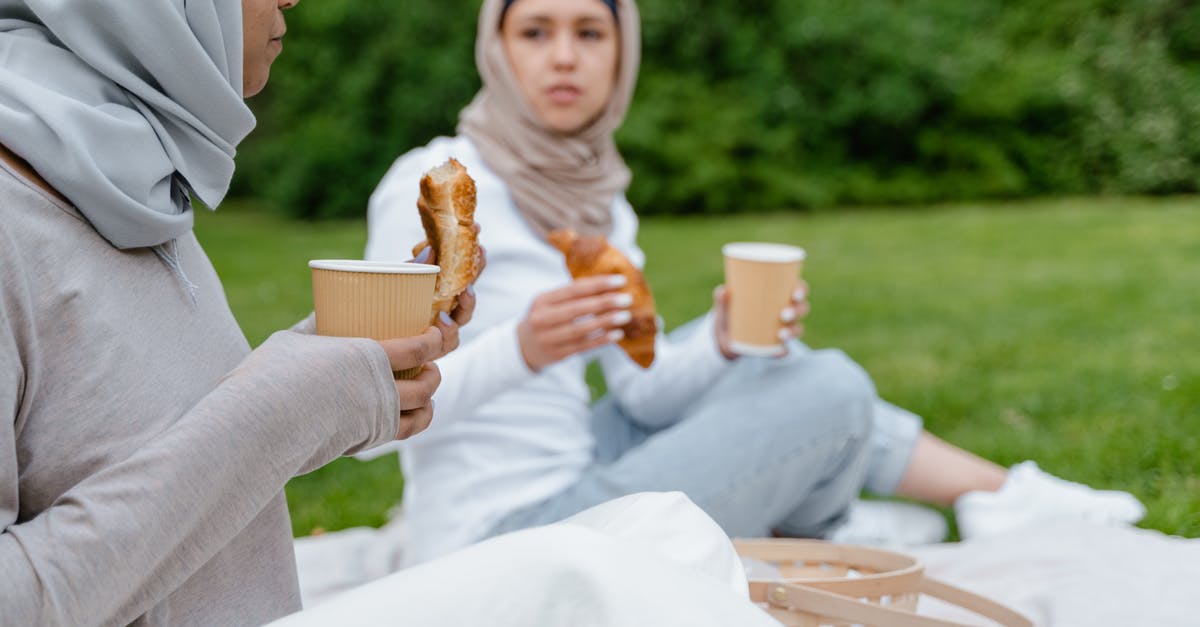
410	352
800	294
449	330
720	301
570	312
418	392
580	330
481	258
413	422
424	255
464	309
791	331
591	341
587	286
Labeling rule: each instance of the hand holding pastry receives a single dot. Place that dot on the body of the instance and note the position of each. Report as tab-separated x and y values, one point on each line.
464	303
591	256
585	314
447	207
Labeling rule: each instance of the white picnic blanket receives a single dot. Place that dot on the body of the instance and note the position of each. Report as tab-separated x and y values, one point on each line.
1059	575
1074	575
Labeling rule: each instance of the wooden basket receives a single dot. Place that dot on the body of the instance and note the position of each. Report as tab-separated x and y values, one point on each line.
836	585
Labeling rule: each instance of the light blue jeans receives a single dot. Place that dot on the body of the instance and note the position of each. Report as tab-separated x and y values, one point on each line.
777	445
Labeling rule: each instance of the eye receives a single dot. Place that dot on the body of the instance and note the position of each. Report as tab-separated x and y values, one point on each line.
591	33
533	33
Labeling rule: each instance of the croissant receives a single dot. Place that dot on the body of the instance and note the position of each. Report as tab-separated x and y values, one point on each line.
593	255
447	207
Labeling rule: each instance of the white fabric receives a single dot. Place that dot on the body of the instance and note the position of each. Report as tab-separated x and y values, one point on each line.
1058	575
1072	574
331	563
125	107
645	559
505	437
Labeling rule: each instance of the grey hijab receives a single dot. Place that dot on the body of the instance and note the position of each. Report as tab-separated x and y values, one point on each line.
125	106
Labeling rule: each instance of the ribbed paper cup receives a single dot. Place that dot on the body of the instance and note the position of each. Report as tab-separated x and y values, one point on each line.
375	299
760	278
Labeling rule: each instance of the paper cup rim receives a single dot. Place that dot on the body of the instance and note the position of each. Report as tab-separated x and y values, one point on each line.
763	251
373	267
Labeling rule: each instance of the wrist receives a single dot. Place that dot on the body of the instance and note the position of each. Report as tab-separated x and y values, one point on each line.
527	347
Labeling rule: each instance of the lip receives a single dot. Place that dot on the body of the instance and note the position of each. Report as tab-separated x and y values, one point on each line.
564	93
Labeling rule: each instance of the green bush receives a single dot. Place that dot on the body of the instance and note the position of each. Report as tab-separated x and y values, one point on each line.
763	104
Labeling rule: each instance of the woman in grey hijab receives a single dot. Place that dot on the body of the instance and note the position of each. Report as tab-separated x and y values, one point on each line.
143	461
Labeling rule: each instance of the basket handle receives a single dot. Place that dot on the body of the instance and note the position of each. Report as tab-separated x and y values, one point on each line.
970	601
787	596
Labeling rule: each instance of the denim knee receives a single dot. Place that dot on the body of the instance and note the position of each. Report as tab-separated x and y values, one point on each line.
820	386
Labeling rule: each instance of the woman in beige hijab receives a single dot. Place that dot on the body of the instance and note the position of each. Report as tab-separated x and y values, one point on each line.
763	445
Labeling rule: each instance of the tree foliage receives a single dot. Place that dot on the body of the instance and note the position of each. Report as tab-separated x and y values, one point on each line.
763	104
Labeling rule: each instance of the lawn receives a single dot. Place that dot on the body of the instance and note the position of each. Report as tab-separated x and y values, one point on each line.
1062	331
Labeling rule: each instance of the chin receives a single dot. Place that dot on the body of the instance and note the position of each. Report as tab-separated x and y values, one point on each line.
564	125
251	88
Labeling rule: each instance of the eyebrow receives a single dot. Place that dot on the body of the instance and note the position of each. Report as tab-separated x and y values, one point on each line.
544	18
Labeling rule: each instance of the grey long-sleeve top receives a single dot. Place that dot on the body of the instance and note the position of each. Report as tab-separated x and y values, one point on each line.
145	450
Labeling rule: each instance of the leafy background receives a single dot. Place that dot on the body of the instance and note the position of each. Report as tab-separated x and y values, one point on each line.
774	104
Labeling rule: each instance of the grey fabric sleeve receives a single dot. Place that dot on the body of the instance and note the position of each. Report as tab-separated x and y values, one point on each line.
136	530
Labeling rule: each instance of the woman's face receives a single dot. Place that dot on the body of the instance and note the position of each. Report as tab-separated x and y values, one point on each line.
564	54
262	40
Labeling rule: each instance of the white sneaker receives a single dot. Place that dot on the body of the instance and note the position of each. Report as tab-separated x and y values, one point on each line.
890	524
1030	495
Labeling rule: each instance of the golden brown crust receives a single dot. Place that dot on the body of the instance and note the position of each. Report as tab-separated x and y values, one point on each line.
593	255
447	208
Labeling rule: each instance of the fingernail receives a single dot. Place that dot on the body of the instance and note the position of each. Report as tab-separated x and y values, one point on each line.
623	300
617	280
787	315
471	289
424	255
799	294
622	317
615	335
445	318
784	335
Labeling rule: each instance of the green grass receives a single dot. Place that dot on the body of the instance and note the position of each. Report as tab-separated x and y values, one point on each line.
1062	331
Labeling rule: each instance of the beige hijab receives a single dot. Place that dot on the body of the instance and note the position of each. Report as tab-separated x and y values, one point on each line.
556	180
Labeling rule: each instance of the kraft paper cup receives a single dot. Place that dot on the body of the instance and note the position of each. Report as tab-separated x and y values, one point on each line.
375	299
760	278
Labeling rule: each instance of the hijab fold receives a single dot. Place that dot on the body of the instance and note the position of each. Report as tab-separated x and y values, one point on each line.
125	107
556	180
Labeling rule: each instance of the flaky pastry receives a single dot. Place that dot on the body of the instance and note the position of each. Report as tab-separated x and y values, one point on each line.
447	206
593	255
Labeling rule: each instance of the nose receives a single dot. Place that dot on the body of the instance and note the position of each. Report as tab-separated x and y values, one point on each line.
565	54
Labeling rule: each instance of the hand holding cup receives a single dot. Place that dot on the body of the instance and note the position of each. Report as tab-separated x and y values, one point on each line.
791	318
763	300
390	303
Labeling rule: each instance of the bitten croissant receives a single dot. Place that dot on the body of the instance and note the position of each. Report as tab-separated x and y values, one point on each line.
447	206
593	255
